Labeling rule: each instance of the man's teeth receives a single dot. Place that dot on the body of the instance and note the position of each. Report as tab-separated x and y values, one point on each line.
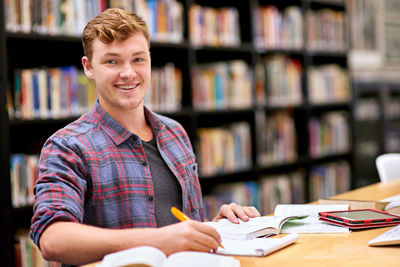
126	87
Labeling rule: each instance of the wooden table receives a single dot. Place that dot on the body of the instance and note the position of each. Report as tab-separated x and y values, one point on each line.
337	250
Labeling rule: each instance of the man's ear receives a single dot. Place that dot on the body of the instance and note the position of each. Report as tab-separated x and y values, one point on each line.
87	66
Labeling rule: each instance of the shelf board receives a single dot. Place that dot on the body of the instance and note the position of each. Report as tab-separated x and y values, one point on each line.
326	53
244	47
35	122
43	37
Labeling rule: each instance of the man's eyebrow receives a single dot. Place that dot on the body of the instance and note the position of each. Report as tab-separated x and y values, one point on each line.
118	55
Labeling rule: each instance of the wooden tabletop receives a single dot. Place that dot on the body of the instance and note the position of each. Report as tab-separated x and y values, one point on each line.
337	250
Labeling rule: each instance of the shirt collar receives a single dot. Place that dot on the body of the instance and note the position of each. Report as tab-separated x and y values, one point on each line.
118	133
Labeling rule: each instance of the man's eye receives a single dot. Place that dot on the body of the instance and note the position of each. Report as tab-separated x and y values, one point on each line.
138	59
110	61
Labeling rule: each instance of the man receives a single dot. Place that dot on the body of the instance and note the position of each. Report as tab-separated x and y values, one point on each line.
107	181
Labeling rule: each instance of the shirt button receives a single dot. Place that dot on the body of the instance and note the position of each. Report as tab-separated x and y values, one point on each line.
151	198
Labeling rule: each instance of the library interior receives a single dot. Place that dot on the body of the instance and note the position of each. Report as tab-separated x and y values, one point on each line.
284	102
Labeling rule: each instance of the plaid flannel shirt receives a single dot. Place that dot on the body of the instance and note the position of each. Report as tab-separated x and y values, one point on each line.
93	171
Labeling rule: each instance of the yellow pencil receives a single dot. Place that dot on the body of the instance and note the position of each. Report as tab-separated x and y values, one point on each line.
182	217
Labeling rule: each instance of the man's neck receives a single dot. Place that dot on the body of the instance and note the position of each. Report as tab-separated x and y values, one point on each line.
134	121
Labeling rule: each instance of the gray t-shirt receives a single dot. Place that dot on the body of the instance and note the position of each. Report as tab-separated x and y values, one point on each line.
167	190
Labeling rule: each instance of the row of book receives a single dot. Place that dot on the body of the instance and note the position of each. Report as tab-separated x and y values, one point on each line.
164	18
367	108
392	142
264	194
67	92
329	134
165	93
329	179
277	138
50	93
222	85
275	29
326	30
278	81
210	26
328	84
23	175
61	17
27	254
207	25
224	149
392	108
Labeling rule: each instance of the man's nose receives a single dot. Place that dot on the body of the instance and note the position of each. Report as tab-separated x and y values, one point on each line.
127	71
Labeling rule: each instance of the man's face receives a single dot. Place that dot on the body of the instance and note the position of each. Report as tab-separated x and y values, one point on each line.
121	71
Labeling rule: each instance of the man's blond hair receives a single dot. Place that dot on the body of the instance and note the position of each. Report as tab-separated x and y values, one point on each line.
112	24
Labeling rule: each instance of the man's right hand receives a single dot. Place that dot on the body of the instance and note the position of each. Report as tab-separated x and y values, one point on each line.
187	236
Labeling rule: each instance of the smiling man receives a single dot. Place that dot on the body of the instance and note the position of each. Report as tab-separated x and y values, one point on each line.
107	181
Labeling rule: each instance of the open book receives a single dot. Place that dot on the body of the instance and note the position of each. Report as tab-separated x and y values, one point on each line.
311	224
255	247
146	256
255	227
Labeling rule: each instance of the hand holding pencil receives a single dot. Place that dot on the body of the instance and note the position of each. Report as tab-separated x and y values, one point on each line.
182	217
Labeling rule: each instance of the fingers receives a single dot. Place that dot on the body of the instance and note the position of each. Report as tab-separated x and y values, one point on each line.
191	235
251	211
234	211
205	237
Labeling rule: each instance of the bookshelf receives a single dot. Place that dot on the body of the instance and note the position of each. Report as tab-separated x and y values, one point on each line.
375	107
255	117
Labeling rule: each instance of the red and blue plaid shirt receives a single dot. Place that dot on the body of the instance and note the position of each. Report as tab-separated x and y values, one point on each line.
95	172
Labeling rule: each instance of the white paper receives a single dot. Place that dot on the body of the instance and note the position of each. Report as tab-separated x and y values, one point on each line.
256	246
311	224
392	198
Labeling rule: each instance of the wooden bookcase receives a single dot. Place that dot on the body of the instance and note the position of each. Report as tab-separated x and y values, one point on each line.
32	50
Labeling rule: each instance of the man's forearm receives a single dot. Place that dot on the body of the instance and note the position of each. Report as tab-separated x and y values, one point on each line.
75	243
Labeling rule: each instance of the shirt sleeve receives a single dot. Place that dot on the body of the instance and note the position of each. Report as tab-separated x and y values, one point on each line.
60	188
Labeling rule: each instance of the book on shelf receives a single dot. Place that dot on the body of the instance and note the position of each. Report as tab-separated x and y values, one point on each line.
27	253
329	179
254	227
50	17
147	256
164	18
52	93
282	189
204	29
225	149
275	29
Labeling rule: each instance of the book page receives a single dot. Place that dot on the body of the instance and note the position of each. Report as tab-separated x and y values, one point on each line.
255	246
200	259
392	198
138	256
311	224
228	229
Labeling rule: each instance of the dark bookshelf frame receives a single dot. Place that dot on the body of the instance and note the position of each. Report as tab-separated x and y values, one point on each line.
12	130
379	91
